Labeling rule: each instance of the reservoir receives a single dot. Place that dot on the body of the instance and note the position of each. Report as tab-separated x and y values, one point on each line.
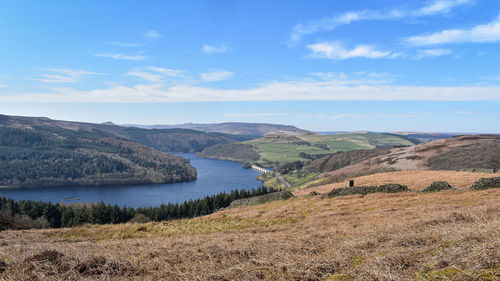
214	176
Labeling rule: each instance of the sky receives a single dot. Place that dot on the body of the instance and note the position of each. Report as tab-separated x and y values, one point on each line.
377	65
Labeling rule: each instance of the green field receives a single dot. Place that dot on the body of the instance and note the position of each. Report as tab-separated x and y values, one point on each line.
286	148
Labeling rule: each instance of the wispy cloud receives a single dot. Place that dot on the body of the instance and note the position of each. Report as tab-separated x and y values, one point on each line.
3	86
216	75
166	71
152	34
151	77
64	75
154	74
478	34
307	89
440	7
466	112
121	56
432	53
330	23
125	44
255	114
336	51
207	49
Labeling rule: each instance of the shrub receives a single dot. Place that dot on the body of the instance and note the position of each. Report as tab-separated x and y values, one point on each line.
363	190
437	186
140	218
485	183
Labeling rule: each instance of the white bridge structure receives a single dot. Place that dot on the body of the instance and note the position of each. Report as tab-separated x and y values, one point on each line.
266	171
262	170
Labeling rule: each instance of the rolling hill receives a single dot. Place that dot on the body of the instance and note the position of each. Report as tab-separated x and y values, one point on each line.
38	155
235	128
167	140
281	147
466	153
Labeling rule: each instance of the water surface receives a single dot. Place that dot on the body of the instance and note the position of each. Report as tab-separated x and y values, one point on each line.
214	176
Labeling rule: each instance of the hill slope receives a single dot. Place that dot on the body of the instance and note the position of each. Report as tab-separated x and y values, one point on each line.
283	147
446	235
167	140
475	152
237	128
232	151
37	155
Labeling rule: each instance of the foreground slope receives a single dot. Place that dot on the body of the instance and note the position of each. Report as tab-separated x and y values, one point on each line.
448	235
37	156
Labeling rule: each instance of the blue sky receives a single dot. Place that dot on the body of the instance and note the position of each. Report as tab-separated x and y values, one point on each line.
321	65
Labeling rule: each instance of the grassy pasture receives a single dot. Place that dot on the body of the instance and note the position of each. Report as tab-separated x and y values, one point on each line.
287	149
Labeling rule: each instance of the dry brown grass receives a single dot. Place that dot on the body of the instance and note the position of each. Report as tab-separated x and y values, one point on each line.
403	236
415	180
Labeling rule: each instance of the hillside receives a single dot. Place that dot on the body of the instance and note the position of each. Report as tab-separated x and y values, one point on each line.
421	137
37	155
287	148
477	152
447	235
281	147
167	140
231	151
235	128
336	161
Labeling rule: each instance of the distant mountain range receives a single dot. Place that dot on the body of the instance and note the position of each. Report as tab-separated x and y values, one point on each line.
235	128
167	140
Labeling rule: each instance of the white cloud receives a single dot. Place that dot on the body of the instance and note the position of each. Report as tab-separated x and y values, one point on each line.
64	75
432	53
166	71
330	23
466	112
154	74
3	86
152	34
335	50
440	7
478	34
309	89
216	75
121	56
125	44
207	49
151	77
255	114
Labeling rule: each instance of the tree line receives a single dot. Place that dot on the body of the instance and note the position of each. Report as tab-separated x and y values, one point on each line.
38	214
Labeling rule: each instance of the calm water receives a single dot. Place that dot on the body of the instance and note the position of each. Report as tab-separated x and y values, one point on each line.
214	176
